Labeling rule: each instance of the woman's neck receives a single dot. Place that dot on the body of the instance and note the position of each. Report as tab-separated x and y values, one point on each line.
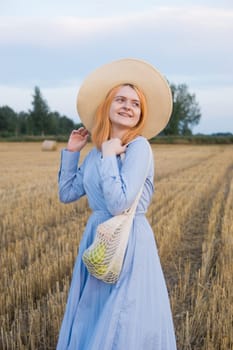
117	132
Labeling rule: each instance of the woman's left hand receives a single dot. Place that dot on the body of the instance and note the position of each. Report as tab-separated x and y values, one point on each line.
77	140
112	147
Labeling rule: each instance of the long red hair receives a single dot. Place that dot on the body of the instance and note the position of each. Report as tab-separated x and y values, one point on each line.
102	126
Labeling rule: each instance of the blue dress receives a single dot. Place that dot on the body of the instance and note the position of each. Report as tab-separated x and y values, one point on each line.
134	313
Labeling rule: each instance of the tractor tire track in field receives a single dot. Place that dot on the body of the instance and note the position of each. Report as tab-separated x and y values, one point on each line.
194	231
219	223
183	179
179	171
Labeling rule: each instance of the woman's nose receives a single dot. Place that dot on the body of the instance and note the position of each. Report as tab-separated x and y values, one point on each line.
127	105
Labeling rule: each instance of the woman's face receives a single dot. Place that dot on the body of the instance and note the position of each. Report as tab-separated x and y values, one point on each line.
125	109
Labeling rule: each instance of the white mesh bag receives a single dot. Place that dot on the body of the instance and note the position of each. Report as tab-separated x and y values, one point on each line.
105	256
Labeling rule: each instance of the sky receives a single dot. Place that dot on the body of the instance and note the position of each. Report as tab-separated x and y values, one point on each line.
54	44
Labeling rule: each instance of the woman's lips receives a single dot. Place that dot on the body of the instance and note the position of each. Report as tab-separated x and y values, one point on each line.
123	114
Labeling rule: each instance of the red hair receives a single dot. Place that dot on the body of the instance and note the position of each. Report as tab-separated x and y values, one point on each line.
102	127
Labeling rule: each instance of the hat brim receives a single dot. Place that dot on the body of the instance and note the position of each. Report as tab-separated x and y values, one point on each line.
133	71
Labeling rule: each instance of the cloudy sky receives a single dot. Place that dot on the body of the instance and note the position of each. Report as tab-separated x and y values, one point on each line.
54	44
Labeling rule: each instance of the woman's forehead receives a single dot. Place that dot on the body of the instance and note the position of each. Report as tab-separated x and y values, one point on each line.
128	91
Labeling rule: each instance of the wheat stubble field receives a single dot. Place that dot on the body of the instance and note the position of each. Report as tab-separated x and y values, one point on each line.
192	217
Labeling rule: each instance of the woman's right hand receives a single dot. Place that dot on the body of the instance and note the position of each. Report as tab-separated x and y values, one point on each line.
77	140
112	147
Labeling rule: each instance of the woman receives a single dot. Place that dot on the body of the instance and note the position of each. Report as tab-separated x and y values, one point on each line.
122	103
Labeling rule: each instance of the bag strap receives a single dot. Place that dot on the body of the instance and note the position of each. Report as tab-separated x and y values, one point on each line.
133	207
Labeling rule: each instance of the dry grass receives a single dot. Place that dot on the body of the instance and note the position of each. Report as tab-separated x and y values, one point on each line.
192	217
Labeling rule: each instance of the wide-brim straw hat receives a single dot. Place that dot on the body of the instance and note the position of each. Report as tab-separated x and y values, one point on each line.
133	71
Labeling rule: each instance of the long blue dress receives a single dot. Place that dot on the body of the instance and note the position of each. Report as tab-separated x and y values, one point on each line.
134	313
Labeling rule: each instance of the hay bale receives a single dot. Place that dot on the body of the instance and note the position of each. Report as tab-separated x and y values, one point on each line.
49	145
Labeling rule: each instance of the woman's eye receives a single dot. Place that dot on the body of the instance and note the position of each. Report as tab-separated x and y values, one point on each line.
119	99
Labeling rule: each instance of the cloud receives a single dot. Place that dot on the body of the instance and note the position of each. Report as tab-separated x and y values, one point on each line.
187	22
61	99
90	8
190	45
183	41
216	109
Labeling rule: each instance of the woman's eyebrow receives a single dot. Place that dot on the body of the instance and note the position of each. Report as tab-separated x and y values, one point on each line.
133	99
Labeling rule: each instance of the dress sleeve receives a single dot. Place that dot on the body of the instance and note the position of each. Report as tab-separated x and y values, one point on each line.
70	177
121	186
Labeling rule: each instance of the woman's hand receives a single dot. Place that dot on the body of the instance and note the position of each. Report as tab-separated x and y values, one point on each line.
77	140
112	147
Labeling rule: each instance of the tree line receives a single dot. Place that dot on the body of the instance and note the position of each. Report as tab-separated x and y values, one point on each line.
40	121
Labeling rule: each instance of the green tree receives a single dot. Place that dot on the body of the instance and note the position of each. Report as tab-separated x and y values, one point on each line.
60	125
54	123
24	124
8	121
186	111
38	121
66	125
39	114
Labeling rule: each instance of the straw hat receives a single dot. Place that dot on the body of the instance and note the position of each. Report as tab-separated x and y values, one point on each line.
133	71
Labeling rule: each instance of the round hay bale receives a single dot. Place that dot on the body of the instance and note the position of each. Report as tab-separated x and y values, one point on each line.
49	145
